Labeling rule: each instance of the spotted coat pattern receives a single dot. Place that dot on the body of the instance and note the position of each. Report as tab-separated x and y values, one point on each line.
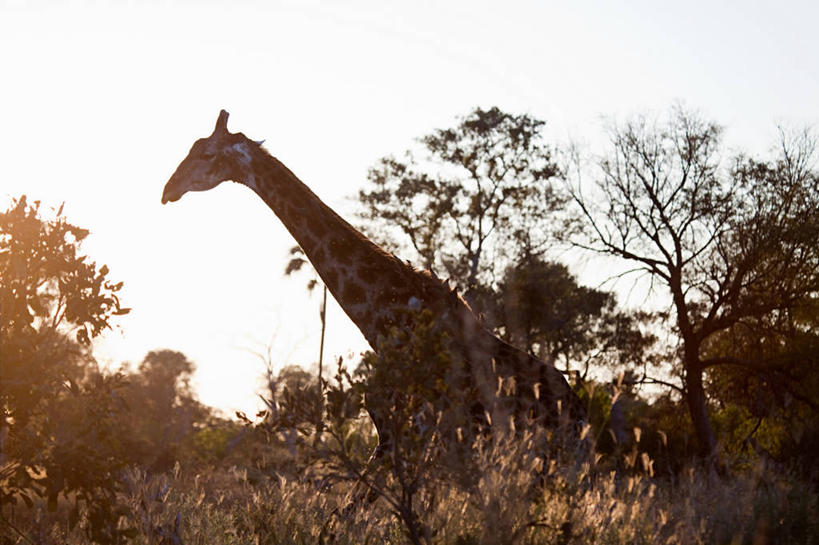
372	285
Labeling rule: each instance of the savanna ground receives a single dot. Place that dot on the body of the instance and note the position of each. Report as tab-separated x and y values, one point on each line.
280	483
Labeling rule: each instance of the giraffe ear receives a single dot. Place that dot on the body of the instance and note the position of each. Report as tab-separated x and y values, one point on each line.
221	123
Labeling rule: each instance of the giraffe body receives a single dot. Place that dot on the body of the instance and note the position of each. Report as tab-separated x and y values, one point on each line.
371	285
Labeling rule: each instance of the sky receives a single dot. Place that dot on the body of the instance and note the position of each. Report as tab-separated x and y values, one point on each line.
102	99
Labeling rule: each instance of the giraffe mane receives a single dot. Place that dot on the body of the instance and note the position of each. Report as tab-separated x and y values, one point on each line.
431	283
442	289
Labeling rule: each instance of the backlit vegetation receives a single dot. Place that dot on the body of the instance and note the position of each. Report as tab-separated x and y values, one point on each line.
702	411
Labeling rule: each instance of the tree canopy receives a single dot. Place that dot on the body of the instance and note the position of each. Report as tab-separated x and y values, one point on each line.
483	191
730	245
485	207
540	306
56	407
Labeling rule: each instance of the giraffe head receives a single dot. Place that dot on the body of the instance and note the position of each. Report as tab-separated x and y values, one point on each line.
212	160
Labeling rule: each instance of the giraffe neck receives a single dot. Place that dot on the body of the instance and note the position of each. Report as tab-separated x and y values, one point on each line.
365	280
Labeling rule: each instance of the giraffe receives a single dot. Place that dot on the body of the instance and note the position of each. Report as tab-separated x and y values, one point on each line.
375	289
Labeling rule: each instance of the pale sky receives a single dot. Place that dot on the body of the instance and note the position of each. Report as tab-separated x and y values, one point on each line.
101	100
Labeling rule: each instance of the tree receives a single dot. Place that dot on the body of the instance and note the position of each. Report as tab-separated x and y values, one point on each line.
483	192
55	404
163	410
540	307
53	301
728	245
483	209
777	399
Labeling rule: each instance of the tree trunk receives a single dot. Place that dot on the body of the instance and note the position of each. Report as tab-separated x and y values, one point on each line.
699	410
695	393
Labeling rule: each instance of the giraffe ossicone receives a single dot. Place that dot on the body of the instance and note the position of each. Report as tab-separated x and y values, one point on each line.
373	287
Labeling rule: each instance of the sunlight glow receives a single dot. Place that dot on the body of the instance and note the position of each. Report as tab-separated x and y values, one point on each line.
103	99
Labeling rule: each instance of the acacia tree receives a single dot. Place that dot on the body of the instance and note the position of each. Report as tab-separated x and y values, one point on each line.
482	191
728	245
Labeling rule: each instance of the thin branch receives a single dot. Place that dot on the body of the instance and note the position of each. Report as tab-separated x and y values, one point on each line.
19	532
649	380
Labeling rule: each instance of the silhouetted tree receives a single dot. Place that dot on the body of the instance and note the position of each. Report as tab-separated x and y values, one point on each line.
483	191
539	306
57	427
775	393
482	208
163	409
729	245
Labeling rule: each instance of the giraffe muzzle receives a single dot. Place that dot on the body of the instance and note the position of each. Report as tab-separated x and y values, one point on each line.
173	190
170	195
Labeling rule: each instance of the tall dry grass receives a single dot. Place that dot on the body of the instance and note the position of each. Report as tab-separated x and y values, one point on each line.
310	482
570	502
